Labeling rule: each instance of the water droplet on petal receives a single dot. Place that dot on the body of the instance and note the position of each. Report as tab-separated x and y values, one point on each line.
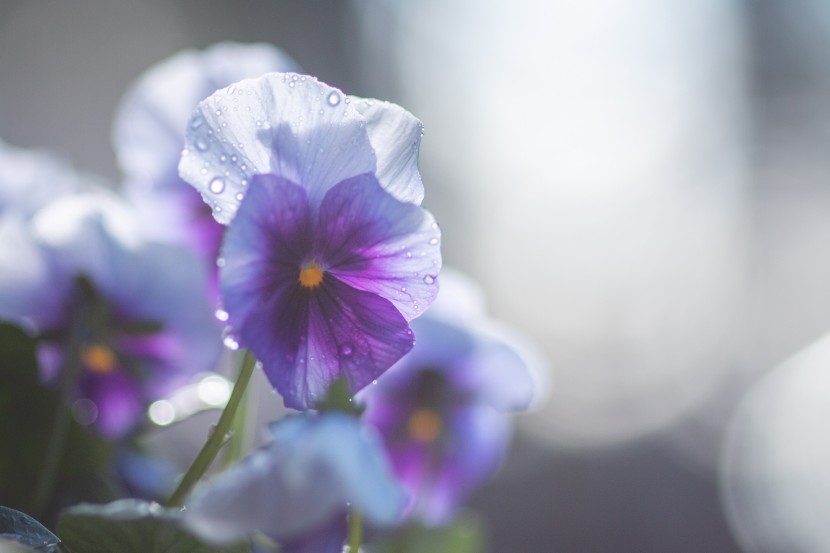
221	315
202	143
220	262
217	185
231	89
345	350
333	98
429	279
239	196
433	241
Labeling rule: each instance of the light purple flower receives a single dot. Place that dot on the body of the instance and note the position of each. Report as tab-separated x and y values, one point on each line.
328	255
441	409
31	178
134	310
148	135
297	489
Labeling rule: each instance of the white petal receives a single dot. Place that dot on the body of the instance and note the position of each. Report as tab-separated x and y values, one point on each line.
396	136
282	123
30	178
150	121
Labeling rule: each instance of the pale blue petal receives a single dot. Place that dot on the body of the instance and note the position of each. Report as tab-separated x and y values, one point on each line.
396	136
298	483
288	125
33	290
29	179
149	125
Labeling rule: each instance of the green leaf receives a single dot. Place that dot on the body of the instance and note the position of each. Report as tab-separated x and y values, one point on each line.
20	532
130	526
27	414
464	535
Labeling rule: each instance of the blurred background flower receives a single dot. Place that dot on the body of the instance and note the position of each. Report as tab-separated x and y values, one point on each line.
639	185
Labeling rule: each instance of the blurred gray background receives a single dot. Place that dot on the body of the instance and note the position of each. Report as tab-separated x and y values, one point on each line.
641	186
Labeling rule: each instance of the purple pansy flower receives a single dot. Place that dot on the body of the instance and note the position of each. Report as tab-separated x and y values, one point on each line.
328	255
148	135
297	489
441	409
124	310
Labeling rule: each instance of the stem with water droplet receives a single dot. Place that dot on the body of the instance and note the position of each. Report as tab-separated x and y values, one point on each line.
217	438
355	530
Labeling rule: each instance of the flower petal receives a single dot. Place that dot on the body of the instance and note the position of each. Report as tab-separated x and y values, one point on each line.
396	136
150	121
298	483
286	124
376	243
305	338
117	399
33	289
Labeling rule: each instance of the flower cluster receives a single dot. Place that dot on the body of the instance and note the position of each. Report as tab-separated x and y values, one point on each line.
326	265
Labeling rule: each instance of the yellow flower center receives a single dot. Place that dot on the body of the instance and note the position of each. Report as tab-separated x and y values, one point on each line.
424	426
98	359
311	275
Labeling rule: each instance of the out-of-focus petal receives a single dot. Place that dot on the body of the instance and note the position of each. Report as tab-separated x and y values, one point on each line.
314	467
328	539
376	243
29	179
473	454
117	402
285	124
150	122
396	136
32	288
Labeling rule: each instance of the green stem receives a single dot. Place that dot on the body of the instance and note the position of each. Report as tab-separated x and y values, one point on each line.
60	431
239	430
355	530
217	437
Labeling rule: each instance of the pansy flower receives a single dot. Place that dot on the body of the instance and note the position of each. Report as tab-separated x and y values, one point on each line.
328	254
148	135
298	488
122	314
441	410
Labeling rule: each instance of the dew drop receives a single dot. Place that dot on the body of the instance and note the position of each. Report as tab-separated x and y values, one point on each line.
196	123
345	350
239	196
218	112
429	279
223	158
220	262
333	98
433	241
408	254
217	185
347	100
231	89
201	144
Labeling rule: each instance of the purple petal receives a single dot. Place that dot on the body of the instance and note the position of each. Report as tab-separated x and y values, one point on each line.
118	400
395	135
327	539
373	242
288	125
440	476
305	338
